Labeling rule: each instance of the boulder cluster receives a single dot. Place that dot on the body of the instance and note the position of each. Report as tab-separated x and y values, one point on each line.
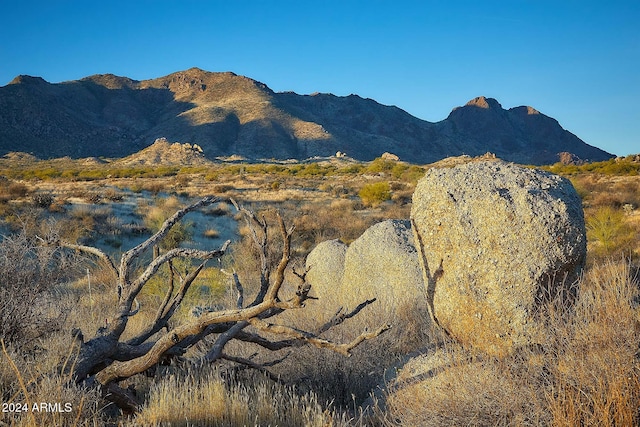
382	264
488	246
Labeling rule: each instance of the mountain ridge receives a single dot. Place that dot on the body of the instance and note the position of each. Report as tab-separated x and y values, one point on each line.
228	114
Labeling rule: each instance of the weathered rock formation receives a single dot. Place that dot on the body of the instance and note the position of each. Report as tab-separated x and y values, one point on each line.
162	152
498	241
381	264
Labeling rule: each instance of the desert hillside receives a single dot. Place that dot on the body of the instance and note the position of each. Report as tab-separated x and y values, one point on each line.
227	114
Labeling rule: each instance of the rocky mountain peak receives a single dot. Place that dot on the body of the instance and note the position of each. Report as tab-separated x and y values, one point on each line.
483	102
525	110
25	80
111	81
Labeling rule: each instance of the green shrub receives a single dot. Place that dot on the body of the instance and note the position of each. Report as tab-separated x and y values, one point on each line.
413	174
380	165
376	193
155	216
351	169
608	230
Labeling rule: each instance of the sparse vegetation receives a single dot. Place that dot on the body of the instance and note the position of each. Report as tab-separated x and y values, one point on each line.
587	373
625	166
214	400
155	216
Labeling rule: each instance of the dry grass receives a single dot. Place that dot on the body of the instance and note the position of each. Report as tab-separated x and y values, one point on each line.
43	395
207	399
211	233
586	374
595	367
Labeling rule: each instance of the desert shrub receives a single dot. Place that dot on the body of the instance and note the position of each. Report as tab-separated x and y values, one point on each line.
94	198
609	233
316	222
211	233
88	221
70	174
221	209
155	216
113	195
27	276
619	166
212	176
155	187
47	173
222	188
42	200
581	188
402	198
91	175
183	180
379	165
312	169
375	193
17	190
629	191
193	170
354	169
413	174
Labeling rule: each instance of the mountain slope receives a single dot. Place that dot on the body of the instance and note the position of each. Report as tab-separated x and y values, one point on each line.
225	114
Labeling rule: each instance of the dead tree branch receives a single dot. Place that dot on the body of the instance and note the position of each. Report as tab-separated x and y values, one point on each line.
340	317
295	334
108	359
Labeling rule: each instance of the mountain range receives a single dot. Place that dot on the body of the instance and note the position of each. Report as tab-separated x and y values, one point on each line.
227	114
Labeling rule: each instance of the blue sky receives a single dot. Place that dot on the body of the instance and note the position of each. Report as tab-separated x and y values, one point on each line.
576	61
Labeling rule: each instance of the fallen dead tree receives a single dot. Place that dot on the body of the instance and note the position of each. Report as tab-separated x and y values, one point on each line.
106	359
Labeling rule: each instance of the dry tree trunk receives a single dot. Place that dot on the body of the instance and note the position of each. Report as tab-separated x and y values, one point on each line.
106	359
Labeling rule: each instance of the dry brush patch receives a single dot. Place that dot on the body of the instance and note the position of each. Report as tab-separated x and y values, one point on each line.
586	373
208	397
113	355
546	389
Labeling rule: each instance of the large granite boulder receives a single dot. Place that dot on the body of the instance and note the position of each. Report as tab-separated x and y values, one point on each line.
382	263
499	240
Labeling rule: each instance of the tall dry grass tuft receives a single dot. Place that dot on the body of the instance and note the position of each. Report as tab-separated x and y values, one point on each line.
208	399
596	371
453	387
586	373
36	396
